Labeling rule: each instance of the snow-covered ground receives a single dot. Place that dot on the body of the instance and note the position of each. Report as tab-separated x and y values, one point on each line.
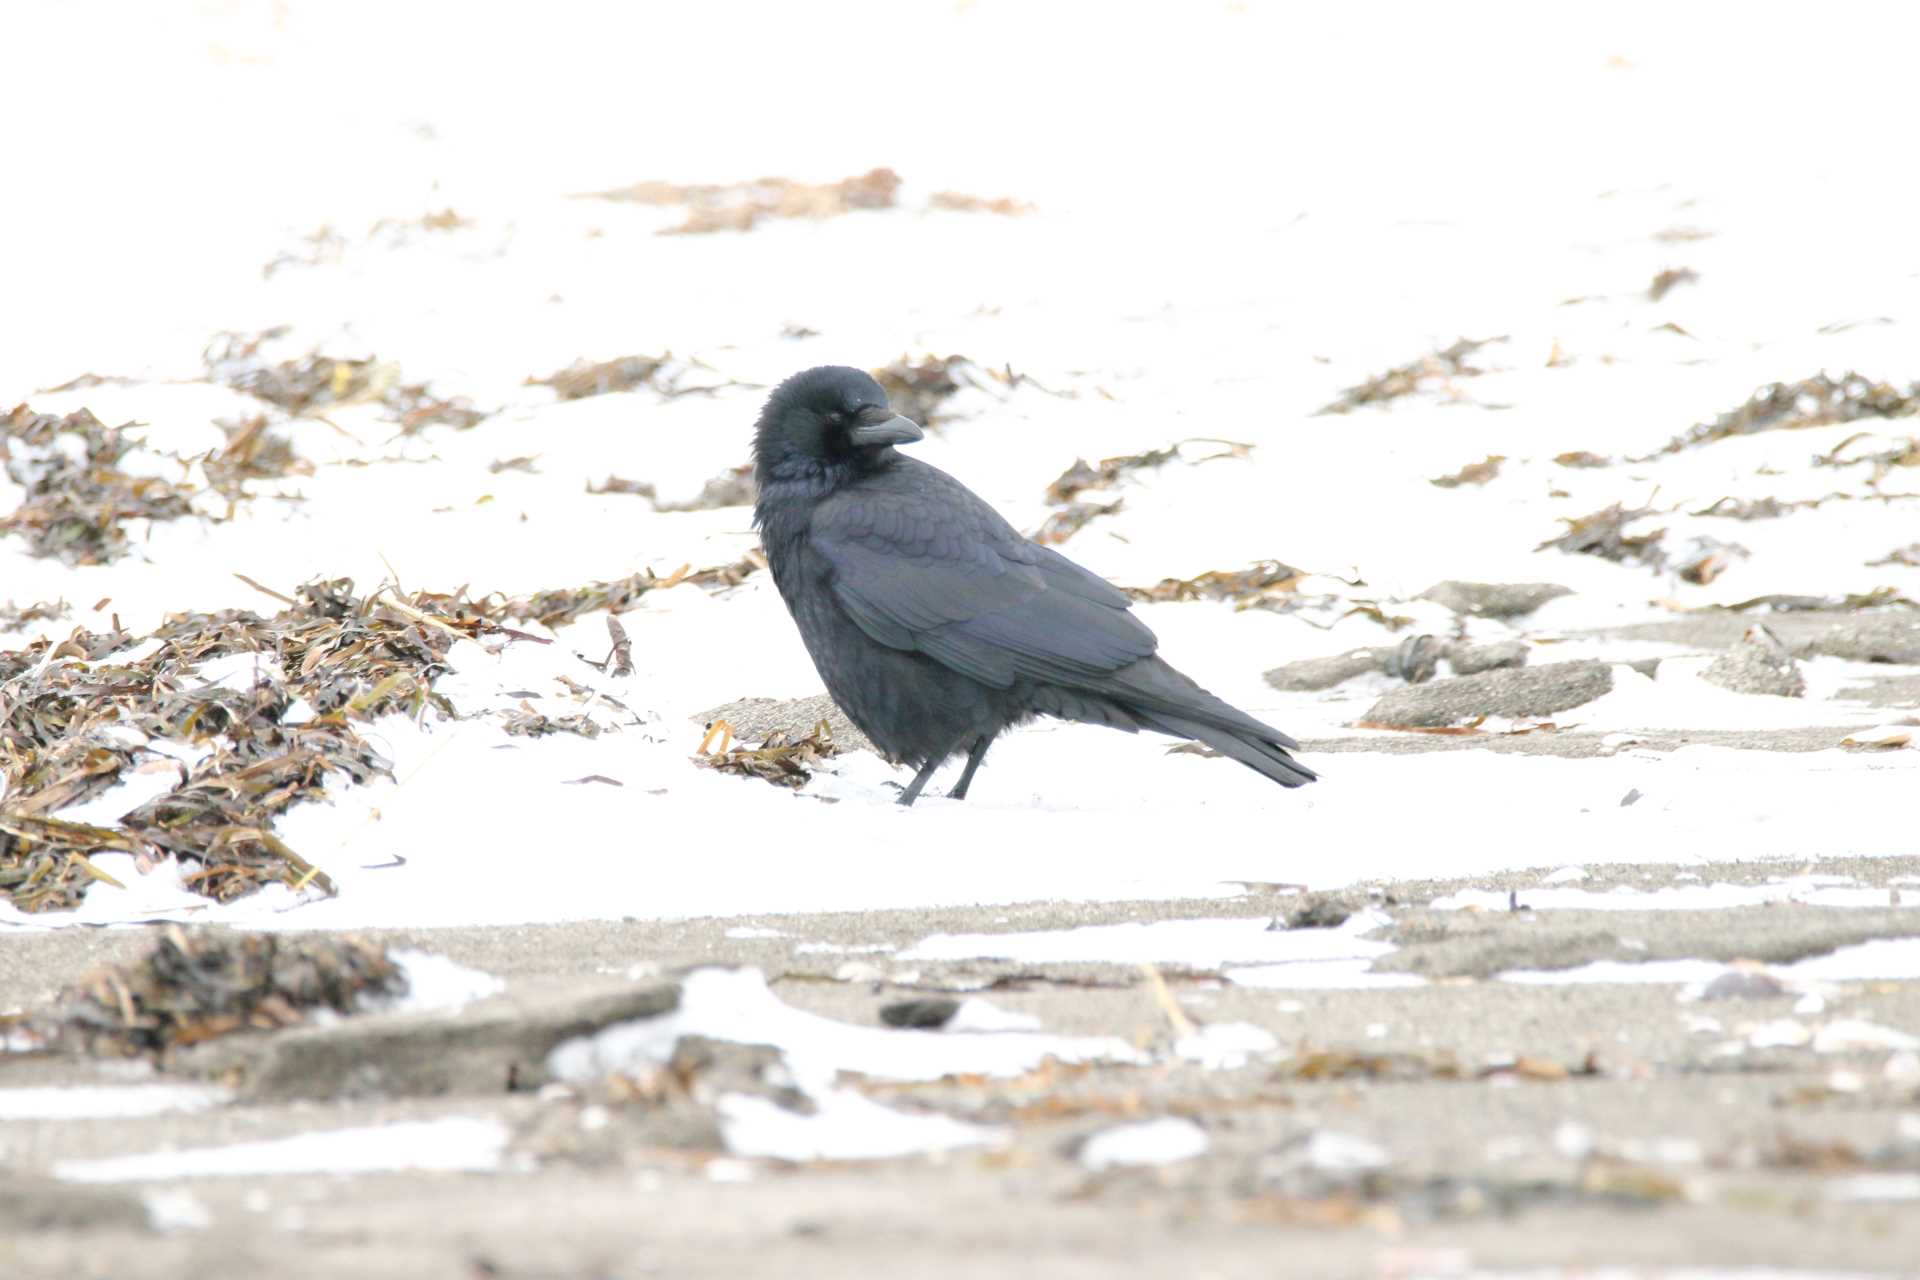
1164	286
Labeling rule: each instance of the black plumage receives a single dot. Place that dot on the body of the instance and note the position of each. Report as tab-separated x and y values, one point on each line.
935	624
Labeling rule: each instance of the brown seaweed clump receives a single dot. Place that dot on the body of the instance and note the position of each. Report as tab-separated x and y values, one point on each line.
918	388
1436	369
741	206
1819	401
73	725
198	984
78	498
315	382
1603	534
783	761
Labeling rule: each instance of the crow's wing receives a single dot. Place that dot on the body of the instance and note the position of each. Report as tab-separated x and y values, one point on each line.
919	562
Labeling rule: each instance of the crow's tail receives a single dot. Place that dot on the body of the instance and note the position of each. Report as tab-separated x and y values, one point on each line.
1263	755
1152	695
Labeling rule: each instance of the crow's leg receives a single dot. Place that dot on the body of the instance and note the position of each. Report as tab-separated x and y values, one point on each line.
912	792
939	758
974	757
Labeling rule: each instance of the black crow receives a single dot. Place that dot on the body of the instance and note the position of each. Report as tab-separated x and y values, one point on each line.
935	624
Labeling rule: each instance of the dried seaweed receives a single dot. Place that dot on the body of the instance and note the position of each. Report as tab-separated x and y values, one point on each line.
71	729
1704	559
1818	401
621	485
1080	476
1908	556
252	452
733	487
917	388
1436	369
1244	587
585	378
1880	598
15	617
315	382
528	723
76	508
960	202
558	607
782	761
1904	454
198	984
1072	518
1753	508
1669	279
740	206
1603	534
1474	473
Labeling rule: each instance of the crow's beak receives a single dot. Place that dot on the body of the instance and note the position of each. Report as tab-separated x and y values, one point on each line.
894	430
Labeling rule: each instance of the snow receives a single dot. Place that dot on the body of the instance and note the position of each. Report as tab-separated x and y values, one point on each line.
86	1102
436	984
1151	1142
844	1126
453	1144
1163	288
1880	959
736	1005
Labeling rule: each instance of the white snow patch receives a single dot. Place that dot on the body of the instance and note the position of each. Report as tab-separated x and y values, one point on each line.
172	1209
1881	959
436	984
1225	1046
976	1014
1818	891
455	1144
1151	1142
844	1126
88	1102
735	1005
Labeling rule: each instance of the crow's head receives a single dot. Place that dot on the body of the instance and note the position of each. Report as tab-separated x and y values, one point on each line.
826	422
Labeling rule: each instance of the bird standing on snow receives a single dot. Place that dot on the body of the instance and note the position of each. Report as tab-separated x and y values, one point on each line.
936	625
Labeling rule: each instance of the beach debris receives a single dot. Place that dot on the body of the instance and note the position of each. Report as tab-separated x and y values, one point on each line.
1435	370
558	607
757	719
311	383
780	759
78	498
73	725
1669	279
1818	401
1071	518
916	389
585	378
1760	663
1474	473
1603	534
1907	556
197	984
1081	476
961	202
1243	587
1703	559
741	206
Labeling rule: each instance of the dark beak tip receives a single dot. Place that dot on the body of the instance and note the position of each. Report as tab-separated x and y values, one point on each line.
895	430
